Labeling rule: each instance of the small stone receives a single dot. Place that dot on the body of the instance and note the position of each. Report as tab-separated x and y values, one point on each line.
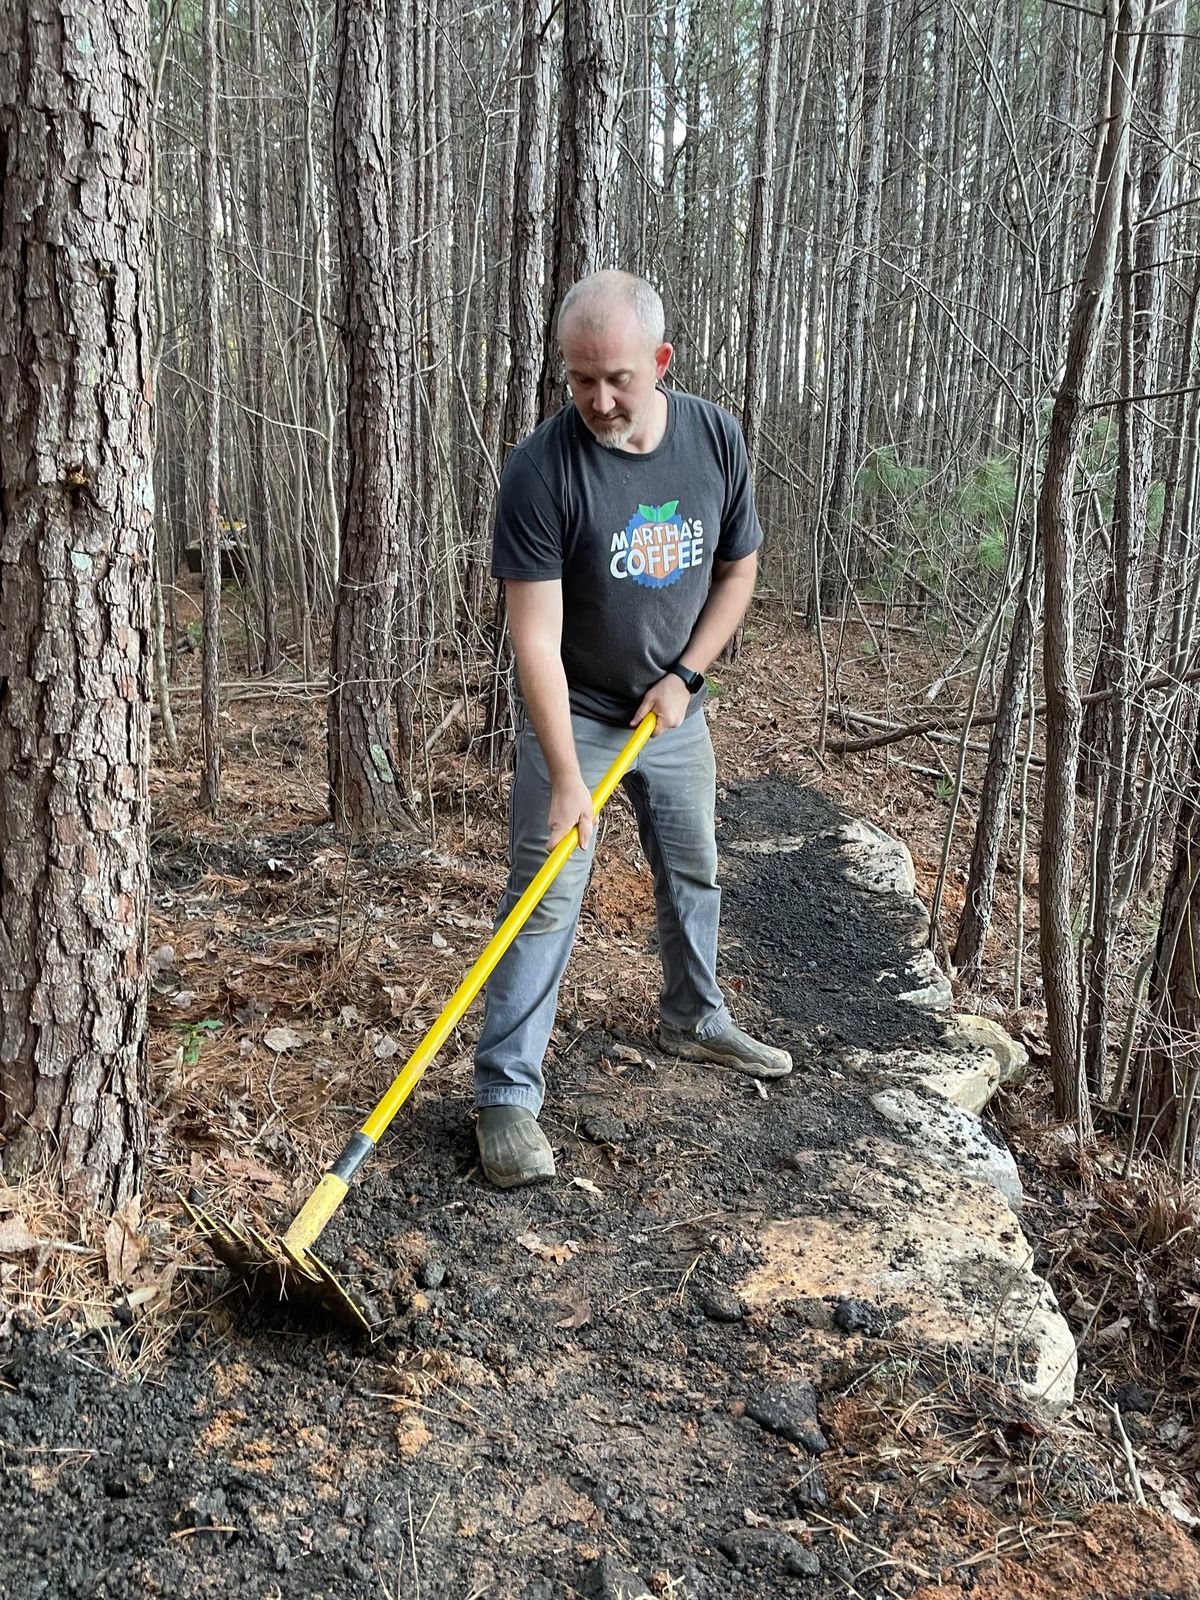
811	1311
432	1275
811	1488
607	1579
721	1305
758	1548
601	1128
856	1316
789	1409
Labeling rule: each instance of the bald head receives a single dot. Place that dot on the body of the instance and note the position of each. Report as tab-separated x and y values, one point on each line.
590	306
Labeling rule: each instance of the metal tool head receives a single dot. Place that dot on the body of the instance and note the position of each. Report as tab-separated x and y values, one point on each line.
296	1277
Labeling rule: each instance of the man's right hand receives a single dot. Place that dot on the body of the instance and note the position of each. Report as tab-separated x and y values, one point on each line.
570	804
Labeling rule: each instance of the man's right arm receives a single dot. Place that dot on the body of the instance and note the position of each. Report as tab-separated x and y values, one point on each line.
535	615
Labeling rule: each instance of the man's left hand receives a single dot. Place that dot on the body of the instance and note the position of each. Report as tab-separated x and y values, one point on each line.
668	699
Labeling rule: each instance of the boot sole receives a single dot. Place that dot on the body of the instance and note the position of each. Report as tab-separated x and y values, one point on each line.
517	1180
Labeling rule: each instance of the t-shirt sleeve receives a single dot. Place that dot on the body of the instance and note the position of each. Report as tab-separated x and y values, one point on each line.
528	536
741	531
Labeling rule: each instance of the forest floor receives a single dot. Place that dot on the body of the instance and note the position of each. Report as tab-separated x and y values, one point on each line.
559	1401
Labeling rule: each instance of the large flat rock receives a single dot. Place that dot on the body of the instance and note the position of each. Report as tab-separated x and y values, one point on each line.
966	1065
940	1257
951	1138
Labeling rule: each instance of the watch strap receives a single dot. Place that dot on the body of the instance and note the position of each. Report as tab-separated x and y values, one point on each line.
692	680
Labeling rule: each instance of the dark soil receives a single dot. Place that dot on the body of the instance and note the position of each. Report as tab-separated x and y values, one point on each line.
822	956
559	1393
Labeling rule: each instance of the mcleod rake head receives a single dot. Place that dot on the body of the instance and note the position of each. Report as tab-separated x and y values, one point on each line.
297	1277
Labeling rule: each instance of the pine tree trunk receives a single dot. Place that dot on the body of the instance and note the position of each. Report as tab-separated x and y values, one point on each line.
362	783
525	315
405	632
75	552
1056	531
210	383
1171	1061
758	250
586	144
259	388
840	555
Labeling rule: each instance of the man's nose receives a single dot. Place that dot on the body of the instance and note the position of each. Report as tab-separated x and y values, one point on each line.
602	400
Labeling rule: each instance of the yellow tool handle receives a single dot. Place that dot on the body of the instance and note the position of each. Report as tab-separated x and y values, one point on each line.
330	1192
379	1120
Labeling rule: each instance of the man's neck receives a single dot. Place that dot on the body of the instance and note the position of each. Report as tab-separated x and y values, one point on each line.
654	430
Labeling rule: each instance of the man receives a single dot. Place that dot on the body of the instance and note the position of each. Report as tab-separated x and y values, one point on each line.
626	537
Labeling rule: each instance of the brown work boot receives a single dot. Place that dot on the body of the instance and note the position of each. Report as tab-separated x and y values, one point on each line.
513	1150
731	1048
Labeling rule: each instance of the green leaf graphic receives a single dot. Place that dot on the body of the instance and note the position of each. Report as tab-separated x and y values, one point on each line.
662	513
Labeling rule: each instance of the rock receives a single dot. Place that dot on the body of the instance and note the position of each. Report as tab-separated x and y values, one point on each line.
607	1579
789	1409
951	1138
855	1316
810	1489
601	1128
786	844
720	1305
966	1065
431	1275
758	1548
931	987
1012	1058
876	861
945	1247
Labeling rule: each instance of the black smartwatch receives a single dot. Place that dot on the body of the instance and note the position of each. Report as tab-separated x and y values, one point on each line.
694	681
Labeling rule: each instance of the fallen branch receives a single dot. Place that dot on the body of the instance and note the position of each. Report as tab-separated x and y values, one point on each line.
936	736
229	692
443	724
892	733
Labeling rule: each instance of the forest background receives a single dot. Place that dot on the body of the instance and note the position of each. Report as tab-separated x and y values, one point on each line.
941	260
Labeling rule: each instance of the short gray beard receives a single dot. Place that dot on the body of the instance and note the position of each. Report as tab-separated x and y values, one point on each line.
613	441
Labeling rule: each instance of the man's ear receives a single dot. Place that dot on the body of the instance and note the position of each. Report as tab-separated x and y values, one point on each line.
662	359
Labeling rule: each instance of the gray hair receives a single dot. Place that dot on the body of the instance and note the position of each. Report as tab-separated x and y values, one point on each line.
594	298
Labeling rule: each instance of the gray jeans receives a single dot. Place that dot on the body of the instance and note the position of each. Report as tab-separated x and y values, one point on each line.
672	788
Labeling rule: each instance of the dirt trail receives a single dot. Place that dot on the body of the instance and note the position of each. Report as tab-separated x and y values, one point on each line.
566	1387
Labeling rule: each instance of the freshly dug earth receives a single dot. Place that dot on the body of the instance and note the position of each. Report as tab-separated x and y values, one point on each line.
565	1387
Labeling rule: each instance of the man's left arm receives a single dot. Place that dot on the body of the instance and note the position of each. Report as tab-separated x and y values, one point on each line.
728	596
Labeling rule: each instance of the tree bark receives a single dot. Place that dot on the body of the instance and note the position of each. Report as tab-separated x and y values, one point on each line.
1171	1060
210	383
758	251
75	552
1056	532
586	145
525	315
259	386
362	783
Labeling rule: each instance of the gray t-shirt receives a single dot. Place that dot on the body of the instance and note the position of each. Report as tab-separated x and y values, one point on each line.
632	538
